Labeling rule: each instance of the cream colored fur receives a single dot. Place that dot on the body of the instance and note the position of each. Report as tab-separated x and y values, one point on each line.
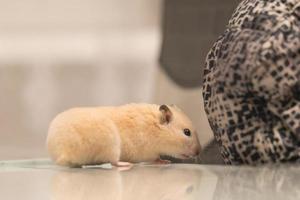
132	133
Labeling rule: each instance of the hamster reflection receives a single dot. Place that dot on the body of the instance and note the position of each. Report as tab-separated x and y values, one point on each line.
137	183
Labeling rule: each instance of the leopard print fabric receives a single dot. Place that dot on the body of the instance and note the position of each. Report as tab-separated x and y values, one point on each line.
251	85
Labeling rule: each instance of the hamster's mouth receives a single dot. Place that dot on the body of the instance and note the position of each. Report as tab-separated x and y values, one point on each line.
185	156
180	156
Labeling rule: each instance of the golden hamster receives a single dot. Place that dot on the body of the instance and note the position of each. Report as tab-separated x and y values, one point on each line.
121	135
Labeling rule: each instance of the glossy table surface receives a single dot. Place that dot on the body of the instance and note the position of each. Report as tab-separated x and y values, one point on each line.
41	180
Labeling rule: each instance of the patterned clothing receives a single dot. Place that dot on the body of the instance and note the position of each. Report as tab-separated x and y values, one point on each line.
252	84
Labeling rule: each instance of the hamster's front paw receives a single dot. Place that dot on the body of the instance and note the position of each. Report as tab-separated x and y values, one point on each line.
162	162
123	166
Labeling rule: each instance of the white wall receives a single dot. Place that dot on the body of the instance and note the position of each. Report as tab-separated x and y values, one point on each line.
78	14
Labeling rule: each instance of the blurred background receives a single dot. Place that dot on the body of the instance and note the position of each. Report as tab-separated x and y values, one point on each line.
59	54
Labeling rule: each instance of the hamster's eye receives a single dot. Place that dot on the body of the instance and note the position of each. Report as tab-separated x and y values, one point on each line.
187	132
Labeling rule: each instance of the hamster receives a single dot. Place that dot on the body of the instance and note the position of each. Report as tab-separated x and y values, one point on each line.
121	135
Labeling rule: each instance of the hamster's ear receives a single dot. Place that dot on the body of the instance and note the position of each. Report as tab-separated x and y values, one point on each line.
167	114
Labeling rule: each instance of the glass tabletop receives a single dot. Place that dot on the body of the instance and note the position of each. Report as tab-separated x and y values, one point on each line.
40	179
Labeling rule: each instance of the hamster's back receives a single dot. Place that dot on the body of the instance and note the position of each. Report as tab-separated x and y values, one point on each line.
76	136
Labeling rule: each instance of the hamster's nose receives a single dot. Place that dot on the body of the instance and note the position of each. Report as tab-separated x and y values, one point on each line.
197	151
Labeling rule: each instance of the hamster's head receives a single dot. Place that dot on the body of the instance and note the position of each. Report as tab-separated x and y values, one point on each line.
178	137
